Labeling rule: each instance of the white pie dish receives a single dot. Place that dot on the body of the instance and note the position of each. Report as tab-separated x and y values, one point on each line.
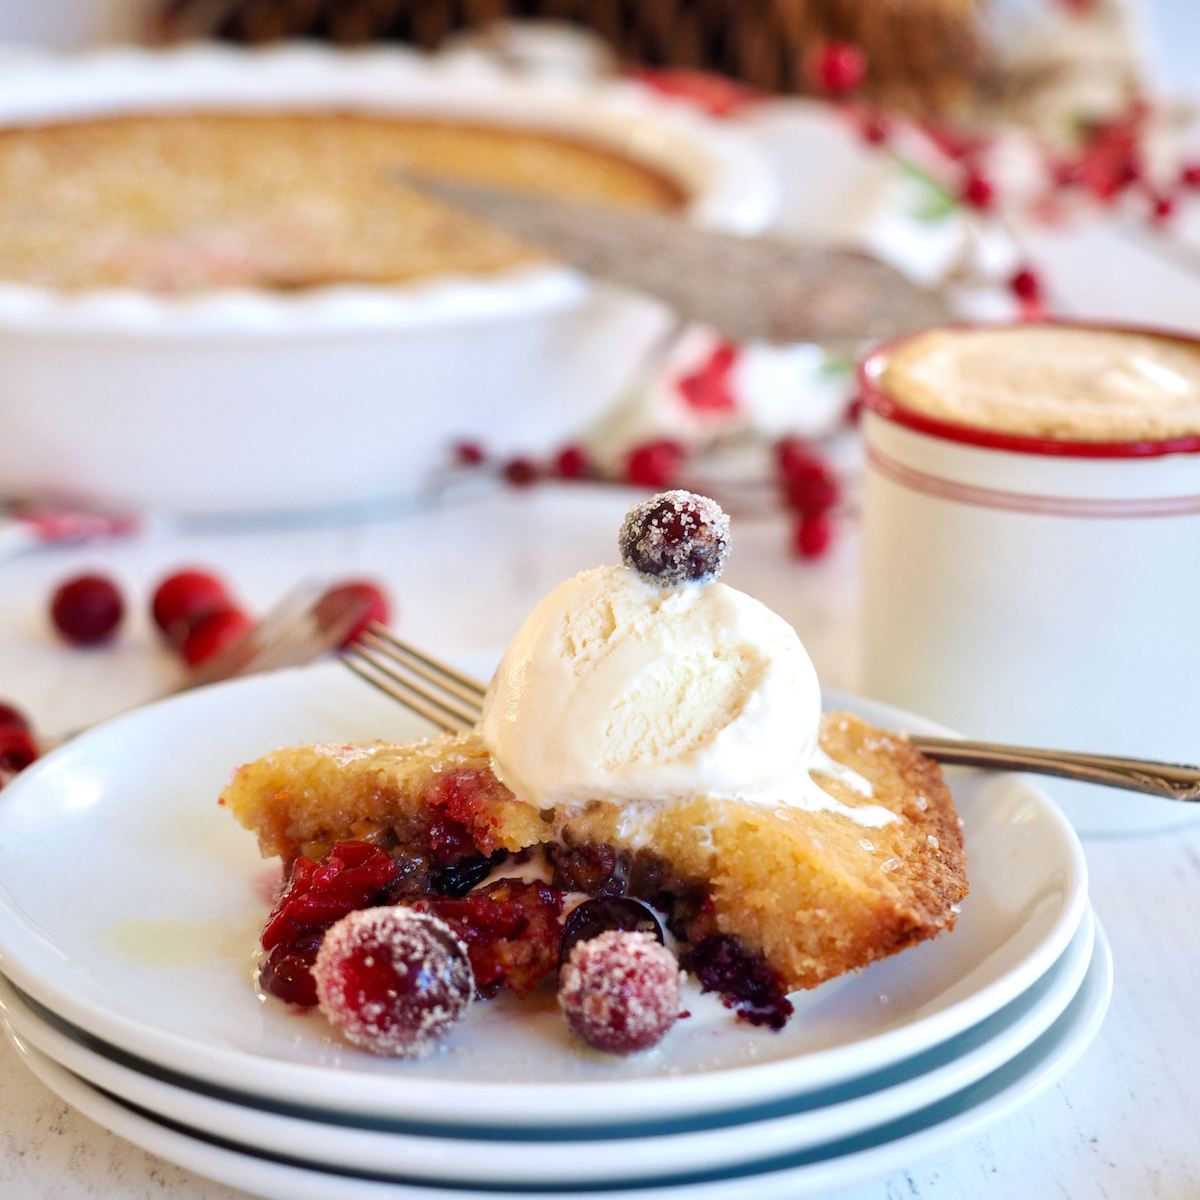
146	941
243	399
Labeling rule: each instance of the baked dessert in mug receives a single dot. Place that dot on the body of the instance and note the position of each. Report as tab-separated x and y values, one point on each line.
652	766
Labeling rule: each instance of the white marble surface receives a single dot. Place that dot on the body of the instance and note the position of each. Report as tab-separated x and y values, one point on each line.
1122	1124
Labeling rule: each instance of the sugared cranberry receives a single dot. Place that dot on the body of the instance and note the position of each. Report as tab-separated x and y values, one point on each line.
394	981
212	633
87	610
183	598
1025	285
675	537
520	472
620	991
12	718
743	980
978	192
811	487
812	535
17	749
837	67
602	914
654	464
469	454
572	462
360	601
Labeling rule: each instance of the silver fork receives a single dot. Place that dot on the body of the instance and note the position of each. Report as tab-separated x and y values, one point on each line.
453	701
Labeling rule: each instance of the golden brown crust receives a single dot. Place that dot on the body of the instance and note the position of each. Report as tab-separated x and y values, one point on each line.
302	800
171	202
816	893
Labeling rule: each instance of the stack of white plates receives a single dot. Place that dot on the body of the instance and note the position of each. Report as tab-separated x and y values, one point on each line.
130	909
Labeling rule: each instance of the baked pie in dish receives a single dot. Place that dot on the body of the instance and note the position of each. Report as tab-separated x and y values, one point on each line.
187	201
652	766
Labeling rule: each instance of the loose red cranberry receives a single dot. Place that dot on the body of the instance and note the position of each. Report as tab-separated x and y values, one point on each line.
12	718
794	456
978	192
521	472
603	913
394	981
837	68
812	535
1189	175
620	991
654	464
811	487
185	596
17	749
1162	209
675	537
874	128
87	610
469	454
363	596
854	411
212	633
1026	285
572	462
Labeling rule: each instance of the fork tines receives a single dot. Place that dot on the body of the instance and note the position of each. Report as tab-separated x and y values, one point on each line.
430	688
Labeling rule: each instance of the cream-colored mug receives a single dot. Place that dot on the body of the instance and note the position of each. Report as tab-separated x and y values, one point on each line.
1031	566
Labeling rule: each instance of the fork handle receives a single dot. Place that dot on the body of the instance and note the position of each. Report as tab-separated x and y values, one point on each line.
1170	781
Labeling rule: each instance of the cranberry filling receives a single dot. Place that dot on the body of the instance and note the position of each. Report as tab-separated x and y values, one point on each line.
744	980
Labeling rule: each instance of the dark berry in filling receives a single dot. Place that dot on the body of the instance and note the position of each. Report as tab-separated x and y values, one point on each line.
743	979
603	914
675	537
460	877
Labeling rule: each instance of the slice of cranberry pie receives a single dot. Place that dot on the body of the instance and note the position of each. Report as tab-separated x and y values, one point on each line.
652	753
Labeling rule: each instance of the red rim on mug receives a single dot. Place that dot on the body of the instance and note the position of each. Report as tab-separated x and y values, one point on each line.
877	400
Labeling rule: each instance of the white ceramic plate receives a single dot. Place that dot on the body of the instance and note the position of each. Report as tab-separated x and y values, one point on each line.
810	1173
786	1127
131	904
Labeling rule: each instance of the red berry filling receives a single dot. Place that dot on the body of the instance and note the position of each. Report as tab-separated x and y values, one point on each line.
394	981
744	980
510	929
351	876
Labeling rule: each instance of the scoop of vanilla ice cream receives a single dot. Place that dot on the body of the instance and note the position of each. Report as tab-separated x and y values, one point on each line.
618	689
